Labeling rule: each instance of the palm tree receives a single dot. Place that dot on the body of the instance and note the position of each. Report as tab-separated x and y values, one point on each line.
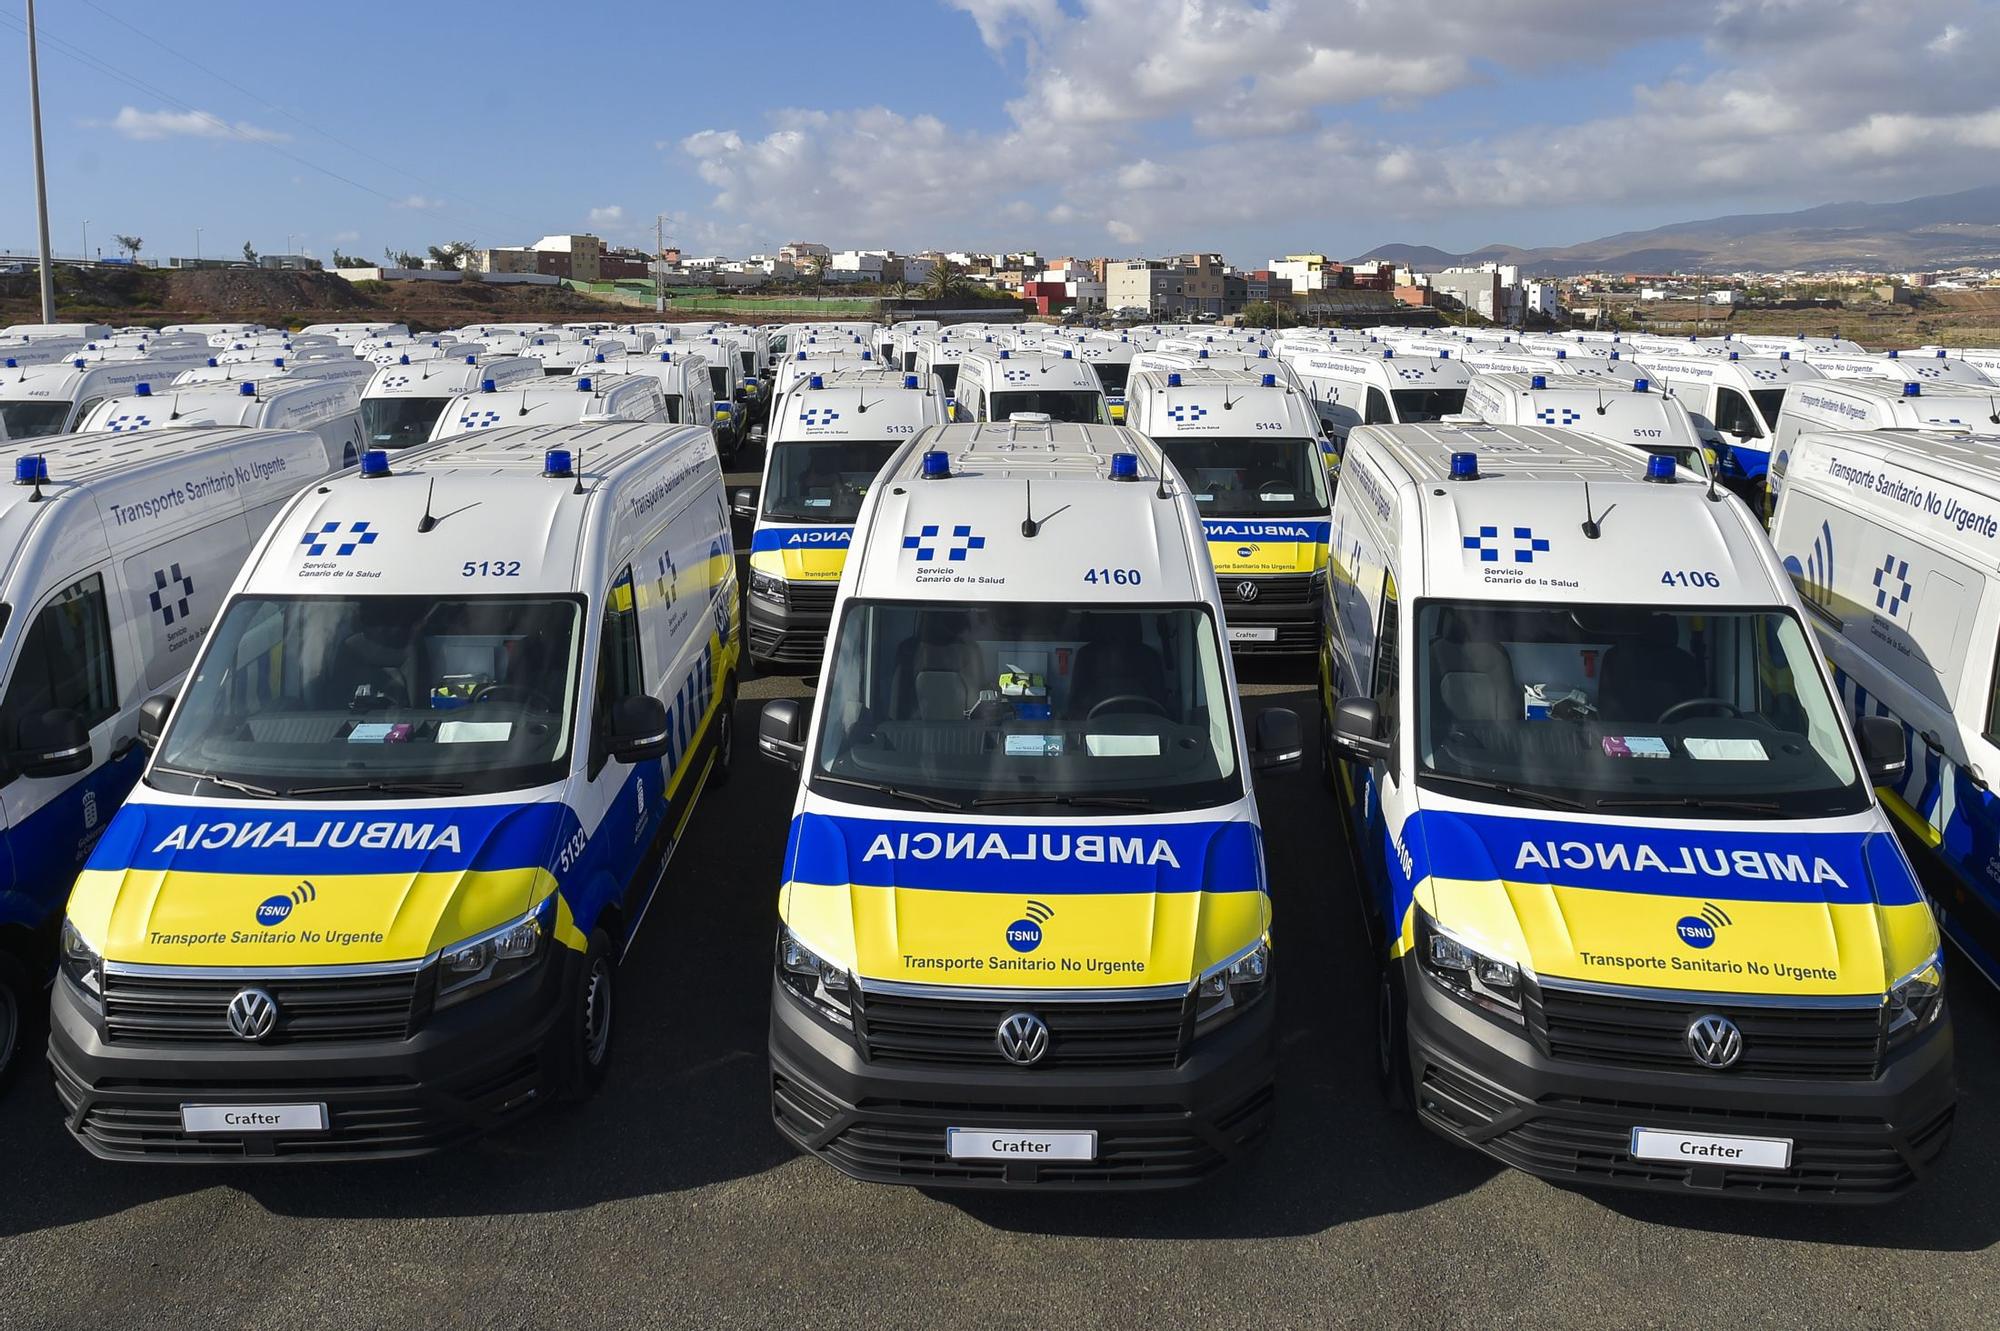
946	282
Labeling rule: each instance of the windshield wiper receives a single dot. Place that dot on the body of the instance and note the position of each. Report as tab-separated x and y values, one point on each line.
882	788
379	787
1073	801
1692	802
261	792
1519	792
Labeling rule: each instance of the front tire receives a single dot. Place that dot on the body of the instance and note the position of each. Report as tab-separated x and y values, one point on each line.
20	1000
725	738
588	1027
1392	1038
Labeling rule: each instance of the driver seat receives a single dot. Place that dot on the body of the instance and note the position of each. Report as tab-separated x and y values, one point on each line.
1117	661
1645	675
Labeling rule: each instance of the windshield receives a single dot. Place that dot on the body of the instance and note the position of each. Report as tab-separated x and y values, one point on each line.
947	374
1080	406
1112	375
1251	478
1414	405
301	692
399	422
1627	707
718	382
1028	703
31	420
823	482
671	404
1770	401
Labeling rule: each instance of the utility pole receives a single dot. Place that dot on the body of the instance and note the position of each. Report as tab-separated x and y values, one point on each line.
659	263
41	176
197	247
86	240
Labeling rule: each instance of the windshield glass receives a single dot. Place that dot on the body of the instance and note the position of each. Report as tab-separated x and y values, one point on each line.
1414	405
1251	478
947	374
399	422
1112	376
31	420
718	382
1076	405
823	482
1630	707
301	692
1029	703
1770	401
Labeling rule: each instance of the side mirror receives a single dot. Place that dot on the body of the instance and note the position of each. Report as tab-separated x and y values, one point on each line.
781	732
1883	750
743	503
1358	729
1279	743
638	729
153	714
53	743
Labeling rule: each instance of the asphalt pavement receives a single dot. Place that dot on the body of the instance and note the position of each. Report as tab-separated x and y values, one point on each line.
669	1200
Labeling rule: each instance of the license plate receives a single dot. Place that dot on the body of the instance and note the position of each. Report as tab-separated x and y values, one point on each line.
253	1118
985	1144
1701	1148
1253	635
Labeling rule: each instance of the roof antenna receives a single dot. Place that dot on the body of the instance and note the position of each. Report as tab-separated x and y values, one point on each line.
175	413
1029	527
429	522
1593	522
524	403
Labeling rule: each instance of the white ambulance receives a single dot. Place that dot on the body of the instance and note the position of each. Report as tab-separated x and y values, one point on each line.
1618	412
1025	936
1893	539
402	403
821	454
553	401
328	408
118	550
1927	368
1735	400
1351	388
687	394
39	400
1640	920
1874	404
1057	385
400	827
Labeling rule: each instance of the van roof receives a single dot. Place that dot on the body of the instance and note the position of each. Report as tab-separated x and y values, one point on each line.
1517	533
964	533
627	474
1965	457
1006	369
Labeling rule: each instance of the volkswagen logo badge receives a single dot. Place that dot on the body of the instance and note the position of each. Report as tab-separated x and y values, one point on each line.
1246	590
1023	1038
1714	1041
253	1014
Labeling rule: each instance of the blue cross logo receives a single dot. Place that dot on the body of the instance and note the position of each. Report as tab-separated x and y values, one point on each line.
1764	374
962	543
170	605
1185	414
327	534
819	416
1016	376
120	424
670	577
1558	416
396	381
1892	585
479	420
1526	545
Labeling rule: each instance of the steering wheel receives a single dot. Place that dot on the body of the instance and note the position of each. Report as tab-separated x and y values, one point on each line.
1145	704
1271	487
1722	705
514	693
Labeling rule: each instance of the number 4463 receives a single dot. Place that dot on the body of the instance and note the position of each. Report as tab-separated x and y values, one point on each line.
1690	578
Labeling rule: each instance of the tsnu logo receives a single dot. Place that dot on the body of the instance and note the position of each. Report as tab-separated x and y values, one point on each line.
1025	934
1700	931
276	910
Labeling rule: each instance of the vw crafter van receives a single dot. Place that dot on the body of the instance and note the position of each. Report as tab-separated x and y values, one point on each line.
1024	927
1641	920
411	807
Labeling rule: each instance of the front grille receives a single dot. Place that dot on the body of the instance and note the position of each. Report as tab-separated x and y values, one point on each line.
1138	1033
1281	589
1796	1043
811	596
1292	638
193	1010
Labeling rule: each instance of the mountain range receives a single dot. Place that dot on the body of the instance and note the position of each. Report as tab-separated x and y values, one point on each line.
1937	231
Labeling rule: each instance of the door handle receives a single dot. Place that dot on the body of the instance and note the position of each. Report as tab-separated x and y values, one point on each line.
124	746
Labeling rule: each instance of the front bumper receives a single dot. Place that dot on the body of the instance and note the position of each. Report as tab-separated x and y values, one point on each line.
1156	1128
790	634
467	1069
1487	1086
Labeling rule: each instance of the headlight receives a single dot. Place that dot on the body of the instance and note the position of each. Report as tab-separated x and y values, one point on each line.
767	586
487	960
821	986
80	962
1232	986
1916	1000
1472	977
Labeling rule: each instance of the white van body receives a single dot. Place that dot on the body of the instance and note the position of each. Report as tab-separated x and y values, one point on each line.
993	385
1893	538
348	334
342	368
1771	344
519	649
22	333
214	330
1898	367
329	408
1603	792
687	392
1984	359
113	571
1511	358
573	354
54	399
1876	404
1351	388
400	403
415	353
1735	400
570	400
1616	412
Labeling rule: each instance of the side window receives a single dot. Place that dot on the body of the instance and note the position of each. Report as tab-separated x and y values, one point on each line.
84	409
619	671
1387	685
1378	409
1734	415
65	662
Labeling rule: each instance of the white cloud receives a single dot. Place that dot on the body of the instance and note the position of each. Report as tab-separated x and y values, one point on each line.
1121	232
1947	41
419	202
609	215
146	126
346	237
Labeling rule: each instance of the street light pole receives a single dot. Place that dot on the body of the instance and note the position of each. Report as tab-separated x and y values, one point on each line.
86	240
41	176
197	247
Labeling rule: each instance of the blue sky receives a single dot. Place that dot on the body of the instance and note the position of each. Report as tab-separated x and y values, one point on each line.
1256	127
